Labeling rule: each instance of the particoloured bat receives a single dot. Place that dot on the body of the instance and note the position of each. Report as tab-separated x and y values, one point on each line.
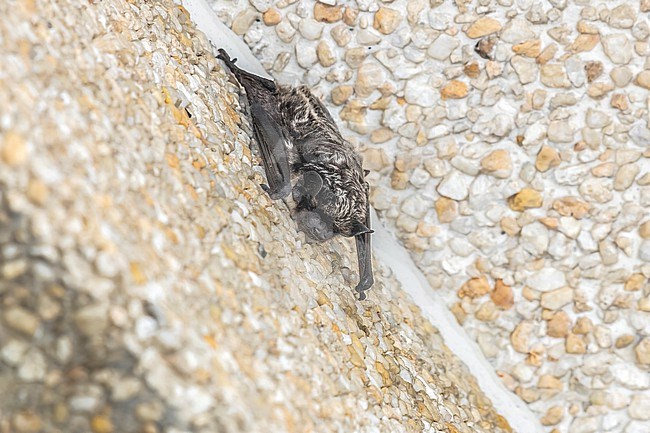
304	154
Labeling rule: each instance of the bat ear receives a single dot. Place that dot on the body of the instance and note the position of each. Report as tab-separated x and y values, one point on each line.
313	182
360	228
366	173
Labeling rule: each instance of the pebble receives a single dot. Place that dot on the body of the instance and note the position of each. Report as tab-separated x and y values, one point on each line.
306	55
639	408
32	367
442	47
271	17
547	158
285	31
243	21
520	337
482	27
310	29
621	75
556	299
369	77
328	13
446	209
618	48
558	326
418	91
561	131
21	320
554	75
643	79
517	30
527	198
386	20
13	150
546	280
622	17
525	68
325	54
498	163
642	351
455	186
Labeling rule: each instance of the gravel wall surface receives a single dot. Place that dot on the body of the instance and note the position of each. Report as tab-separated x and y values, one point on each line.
147	283
509	145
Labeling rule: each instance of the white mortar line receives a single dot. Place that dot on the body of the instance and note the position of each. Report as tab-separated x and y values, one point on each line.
389	251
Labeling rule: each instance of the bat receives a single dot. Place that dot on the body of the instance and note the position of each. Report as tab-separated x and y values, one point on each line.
304	154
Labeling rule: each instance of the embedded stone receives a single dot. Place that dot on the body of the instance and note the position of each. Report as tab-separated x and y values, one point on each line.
558	326
584	43
271	17
619	101
474	288
369	77
446	209
594	70
454	90
643	79
13	150
554	75
527	198
325	54
571	206
386	20
530	48
502	295
576	344
520	337
553	416
642	351
327	13
547	158
618	48
243	21
482	27
556	299
341	94
498	163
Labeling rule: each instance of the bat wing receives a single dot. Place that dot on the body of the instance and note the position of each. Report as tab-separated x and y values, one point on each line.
273	149
364	256
272	141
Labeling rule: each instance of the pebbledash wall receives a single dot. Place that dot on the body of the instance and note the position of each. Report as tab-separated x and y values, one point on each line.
147	282
519	182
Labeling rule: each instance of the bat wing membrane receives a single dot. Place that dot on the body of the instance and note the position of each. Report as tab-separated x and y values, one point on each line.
273	149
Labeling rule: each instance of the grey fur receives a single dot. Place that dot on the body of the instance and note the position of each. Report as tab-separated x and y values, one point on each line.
304	154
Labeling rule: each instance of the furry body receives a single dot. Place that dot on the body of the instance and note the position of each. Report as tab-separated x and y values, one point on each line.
304	154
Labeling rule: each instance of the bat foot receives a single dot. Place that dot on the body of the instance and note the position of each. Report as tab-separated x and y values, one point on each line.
364	284
223	55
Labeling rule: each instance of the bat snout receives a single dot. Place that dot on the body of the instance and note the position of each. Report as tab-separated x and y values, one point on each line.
314	226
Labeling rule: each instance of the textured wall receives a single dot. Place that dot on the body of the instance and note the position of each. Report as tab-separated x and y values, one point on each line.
148	284
519	182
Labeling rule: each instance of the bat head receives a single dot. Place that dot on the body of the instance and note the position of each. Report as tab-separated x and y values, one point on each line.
316	225
311	215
